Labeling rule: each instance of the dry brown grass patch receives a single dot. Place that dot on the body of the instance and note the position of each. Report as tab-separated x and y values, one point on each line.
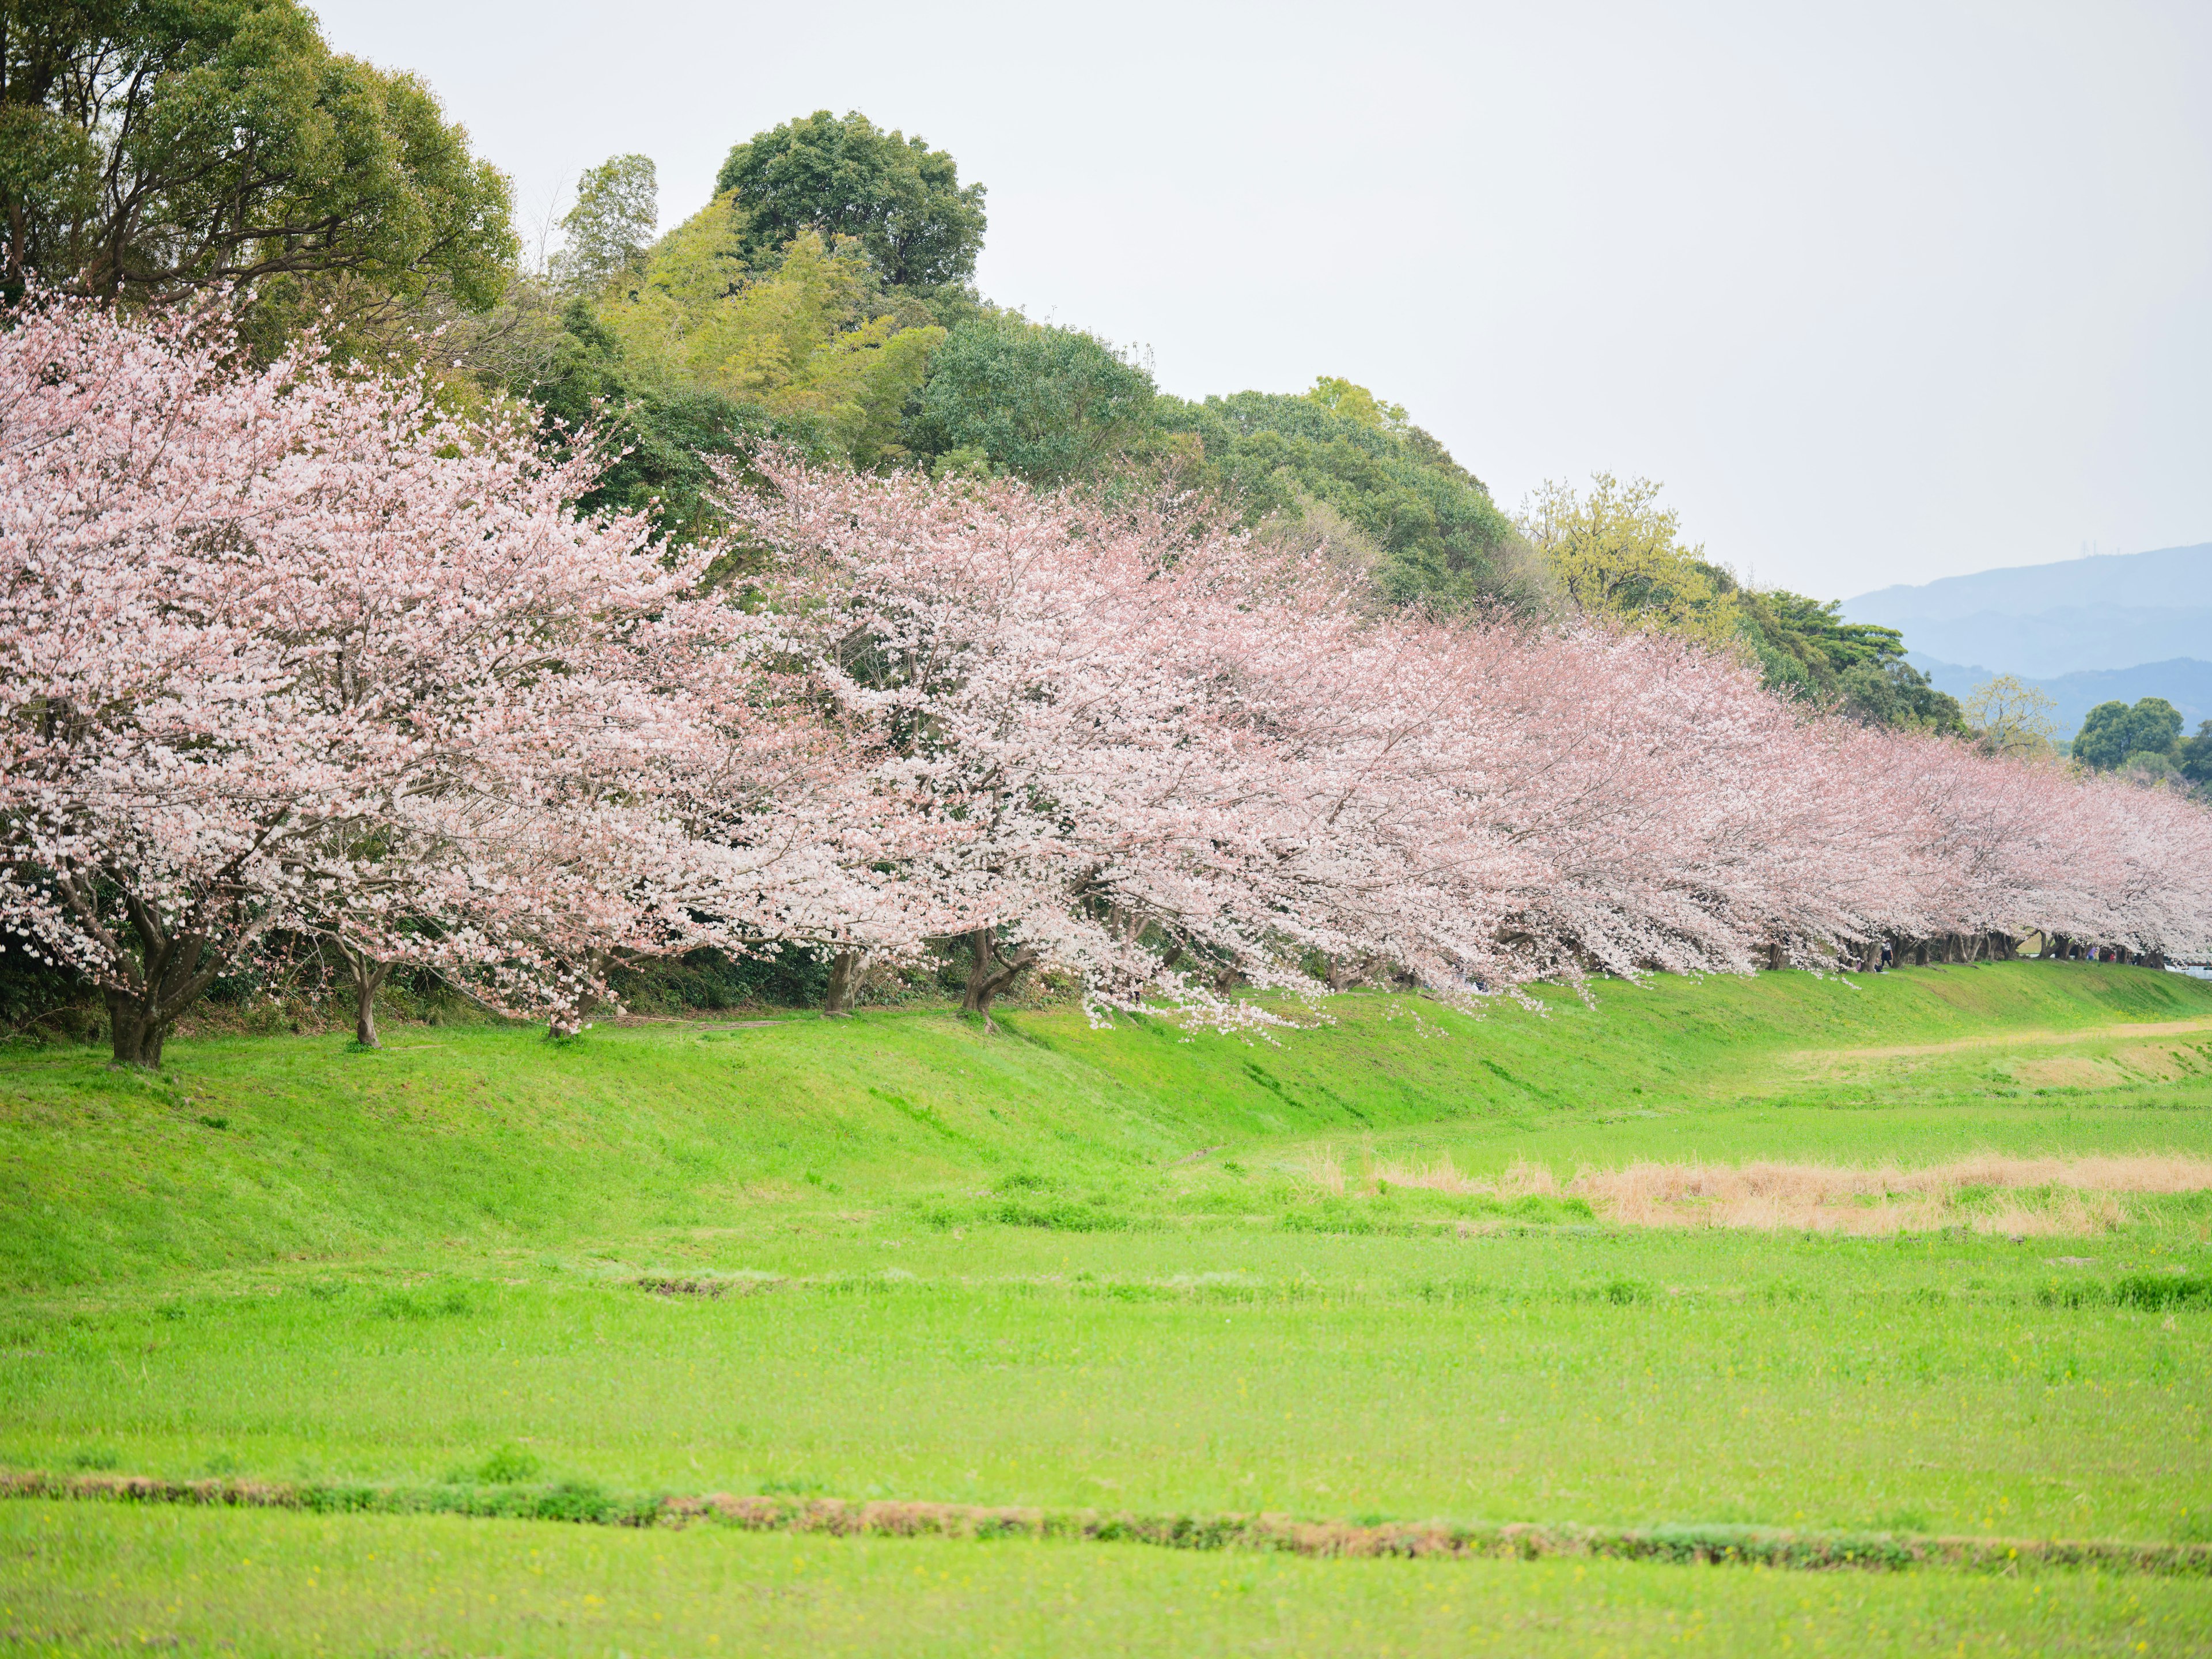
1442	1176
2046	1196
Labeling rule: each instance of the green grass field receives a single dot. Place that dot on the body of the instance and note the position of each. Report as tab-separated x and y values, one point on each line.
1116	1271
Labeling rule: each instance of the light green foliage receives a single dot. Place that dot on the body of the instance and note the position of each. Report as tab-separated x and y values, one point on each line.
1356	403
664	439
1617	554
903	202
1439	539
2010	718
810	338
2112	733
606	232
1052	405
153	150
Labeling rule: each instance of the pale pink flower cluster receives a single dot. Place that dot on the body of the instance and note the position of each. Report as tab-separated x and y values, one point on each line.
285	654
1158	755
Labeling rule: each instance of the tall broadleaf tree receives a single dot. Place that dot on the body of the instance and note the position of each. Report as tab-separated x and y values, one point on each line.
845	176
154	151
606	232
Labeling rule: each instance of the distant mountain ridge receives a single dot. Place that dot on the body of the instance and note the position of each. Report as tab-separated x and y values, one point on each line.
2048	622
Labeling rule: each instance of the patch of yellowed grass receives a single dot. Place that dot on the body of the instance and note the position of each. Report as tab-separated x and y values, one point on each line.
1444	1177
2044	1195
1323	1168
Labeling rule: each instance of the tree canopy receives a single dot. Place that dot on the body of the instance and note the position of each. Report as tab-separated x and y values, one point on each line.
2112	733
2010	717
847	177
2194	755
1617	553
1433	536
1051	405
606	231
152	150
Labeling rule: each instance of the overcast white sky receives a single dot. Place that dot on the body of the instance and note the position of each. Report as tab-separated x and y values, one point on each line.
1882	293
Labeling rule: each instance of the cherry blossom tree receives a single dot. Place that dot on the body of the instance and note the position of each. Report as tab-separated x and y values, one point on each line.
285	651
1173	759
288	654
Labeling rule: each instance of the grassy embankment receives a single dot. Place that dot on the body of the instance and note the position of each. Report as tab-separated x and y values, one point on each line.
1121	1271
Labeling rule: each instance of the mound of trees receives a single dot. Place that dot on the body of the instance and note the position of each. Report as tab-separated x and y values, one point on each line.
755	586
2146	736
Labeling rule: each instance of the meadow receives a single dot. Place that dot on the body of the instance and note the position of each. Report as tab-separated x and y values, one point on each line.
1922	1255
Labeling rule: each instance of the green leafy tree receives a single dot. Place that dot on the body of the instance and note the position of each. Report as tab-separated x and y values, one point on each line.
1617	553
814	336
1804	647
606	233
1356	403
1897	694
1052	405
2009	717
1391	497
665	438
847	177
2194	756
150	148
2112	732
1856	670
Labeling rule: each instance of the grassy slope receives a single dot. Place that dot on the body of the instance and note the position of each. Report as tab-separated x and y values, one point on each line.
1007	1281
493	1135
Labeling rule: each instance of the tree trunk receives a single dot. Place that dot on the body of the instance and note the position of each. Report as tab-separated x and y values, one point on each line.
135	1037
369	979
2056	945
174	975
990	974
1920	954
844	984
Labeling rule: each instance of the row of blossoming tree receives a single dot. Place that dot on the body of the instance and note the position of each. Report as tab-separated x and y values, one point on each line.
286	655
